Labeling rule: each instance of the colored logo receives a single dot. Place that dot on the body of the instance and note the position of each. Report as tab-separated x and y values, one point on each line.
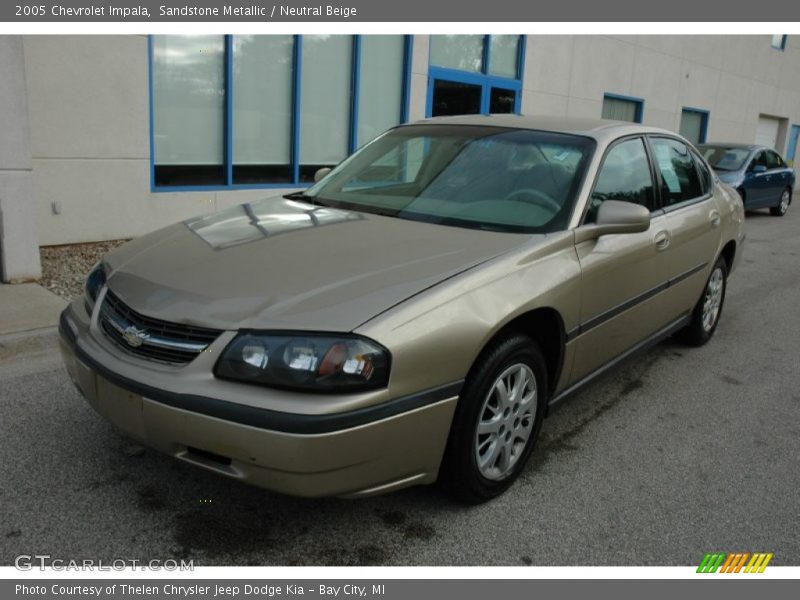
735	562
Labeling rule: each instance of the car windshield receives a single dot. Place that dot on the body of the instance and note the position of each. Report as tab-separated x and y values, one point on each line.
491	178
725	158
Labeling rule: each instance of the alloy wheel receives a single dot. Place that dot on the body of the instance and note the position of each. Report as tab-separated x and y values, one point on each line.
505	421
713	299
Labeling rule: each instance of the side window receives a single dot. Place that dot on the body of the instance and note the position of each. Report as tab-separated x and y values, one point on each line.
758	159
773	160
625	175
680	179
705	174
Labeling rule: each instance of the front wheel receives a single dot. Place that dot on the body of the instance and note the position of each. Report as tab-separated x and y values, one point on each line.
783	205
497	421
708	309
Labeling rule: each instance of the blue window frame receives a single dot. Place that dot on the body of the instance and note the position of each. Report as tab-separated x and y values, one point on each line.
483	82
295	180
791	150
779	42
689	127
622	108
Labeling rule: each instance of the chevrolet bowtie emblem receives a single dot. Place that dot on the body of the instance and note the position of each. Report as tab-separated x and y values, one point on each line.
134	337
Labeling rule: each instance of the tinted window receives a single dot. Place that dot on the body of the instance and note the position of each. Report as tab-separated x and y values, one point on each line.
773	160
625	175
680	180
705	174
759	159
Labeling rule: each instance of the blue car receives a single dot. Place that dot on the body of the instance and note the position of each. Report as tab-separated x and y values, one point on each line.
758	173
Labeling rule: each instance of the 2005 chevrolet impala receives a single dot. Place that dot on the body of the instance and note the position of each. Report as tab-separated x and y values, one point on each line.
415	313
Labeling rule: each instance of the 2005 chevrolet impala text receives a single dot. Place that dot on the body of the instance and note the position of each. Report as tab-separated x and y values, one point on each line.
414	314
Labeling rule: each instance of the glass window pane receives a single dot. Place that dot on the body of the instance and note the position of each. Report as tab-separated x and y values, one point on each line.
619	109
188	109
705	174
625	176
455	98
325	102
773	161
262	108
504	53
463	52
680	180
502	101
381	87
692	126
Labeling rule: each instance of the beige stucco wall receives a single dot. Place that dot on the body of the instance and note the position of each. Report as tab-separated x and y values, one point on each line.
736	78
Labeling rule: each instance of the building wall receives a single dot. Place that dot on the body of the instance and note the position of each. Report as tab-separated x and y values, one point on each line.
736	78
89	128
89	122
19	253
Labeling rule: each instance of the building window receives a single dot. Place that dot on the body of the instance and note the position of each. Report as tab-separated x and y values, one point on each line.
694	125
475	74
622	108
188	78
779	42
261	111
262	142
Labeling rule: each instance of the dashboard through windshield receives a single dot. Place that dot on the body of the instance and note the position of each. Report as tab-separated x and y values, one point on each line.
498	179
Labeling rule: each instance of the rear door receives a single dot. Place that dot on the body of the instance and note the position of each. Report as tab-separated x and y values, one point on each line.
620	279
693	222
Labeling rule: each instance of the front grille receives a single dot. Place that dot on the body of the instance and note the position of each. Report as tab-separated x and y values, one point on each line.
157	340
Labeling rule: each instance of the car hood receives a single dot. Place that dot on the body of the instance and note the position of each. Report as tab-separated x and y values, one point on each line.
282	264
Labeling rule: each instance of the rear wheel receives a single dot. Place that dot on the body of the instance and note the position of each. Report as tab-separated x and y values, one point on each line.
783	205
708	309
497	421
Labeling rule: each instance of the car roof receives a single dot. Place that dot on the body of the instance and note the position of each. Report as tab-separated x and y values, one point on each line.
732	145
599	129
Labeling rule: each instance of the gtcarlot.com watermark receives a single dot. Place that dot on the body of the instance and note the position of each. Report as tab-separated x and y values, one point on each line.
29	562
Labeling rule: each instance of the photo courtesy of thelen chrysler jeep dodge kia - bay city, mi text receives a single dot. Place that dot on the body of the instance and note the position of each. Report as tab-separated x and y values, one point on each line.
414	314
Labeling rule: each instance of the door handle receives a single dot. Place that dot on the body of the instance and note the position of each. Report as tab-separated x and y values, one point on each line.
714	218
661	240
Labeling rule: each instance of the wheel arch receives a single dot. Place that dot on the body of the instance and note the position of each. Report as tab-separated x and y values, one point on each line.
546	327
729	254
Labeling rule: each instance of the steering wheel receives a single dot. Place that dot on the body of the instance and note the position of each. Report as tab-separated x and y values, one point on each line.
534	196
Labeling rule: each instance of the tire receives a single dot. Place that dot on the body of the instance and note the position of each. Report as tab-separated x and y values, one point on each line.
708	310
479	466
783	204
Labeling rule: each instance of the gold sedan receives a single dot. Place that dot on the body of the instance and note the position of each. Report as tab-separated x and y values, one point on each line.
415	314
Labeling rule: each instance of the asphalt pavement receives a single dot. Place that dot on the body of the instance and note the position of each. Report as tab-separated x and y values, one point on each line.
678	452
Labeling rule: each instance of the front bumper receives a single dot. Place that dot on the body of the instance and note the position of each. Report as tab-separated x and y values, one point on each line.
353	452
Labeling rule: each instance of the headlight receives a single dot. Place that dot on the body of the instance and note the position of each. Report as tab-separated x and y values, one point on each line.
312	362
94	283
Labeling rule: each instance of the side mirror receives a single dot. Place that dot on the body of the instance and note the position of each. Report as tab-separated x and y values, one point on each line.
759	169
615	216
321	173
